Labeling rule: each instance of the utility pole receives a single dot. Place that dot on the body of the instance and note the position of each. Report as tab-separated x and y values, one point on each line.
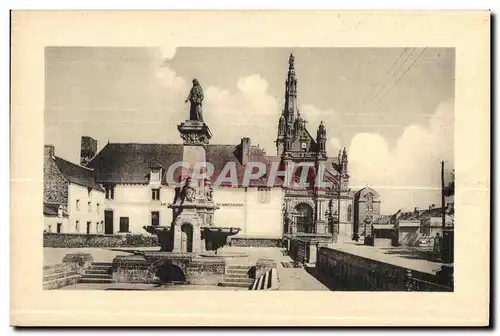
443	216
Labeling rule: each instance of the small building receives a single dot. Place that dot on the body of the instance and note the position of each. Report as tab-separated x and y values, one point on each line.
73	201
366	210
431	220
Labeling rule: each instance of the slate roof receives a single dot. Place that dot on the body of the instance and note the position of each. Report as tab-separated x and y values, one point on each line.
52	210
77	174
132	162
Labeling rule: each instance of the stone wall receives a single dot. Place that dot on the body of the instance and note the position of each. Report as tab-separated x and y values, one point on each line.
298	251
347	272
255	242
161	268
98	240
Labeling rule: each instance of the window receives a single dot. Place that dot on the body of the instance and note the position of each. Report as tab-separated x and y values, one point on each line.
88	227
90	206
77	205
264	195
50	228
349	212
303	145
98	207
77	226
89	191
124	224
155	194
110	191
155	218
59	227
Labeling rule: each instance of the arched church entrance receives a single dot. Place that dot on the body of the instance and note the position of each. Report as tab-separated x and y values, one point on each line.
304	218
186	238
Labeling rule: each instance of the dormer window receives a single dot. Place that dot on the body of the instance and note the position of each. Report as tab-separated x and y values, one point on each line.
155	174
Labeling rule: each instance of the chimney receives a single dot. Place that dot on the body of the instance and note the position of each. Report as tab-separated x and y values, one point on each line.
416	209
88	150
245	150
49	151
432	206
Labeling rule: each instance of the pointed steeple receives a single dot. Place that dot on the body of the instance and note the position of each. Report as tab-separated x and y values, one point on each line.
291	108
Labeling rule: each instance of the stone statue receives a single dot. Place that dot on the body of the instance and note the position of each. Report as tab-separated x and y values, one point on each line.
195	98
187	192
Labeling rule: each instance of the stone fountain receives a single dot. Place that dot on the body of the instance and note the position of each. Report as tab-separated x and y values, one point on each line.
189	244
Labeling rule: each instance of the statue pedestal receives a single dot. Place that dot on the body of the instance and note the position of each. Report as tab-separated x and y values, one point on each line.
194	133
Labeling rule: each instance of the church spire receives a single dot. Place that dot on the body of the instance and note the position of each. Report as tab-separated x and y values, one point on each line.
291	109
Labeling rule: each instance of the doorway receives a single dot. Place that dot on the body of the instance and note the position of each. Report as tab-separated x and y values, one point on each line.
304	218
108	221
186	238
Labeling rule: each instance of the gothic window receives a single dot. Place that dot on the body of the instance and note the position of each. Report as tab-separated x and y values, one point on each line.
304	218
59	227
77	226
90	206
98	208
50	229
89	191
110	191
88	227
264	195
77	205
349	212
155	194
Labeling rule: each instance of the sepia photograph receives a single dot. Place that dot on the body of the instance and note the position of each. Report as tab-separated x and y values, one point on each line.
249	168
326	168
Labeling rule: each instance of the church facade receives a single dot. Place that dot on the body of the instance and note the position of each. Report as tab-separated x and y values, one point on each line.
136	193
312	210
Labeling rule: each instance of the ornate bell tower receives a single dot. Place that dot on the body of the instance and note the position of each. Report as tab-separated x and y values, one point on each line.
287	122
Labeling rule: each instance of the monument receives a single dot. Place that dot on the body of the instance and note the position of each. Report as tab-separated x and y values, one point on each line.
189	244
192	229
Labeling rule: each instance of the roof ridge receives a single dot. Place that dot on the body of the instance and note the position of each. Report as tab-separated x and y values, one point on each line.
60	158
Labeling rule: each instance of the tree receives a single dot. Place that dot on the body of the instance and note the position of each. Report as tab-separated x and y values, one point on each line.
449	189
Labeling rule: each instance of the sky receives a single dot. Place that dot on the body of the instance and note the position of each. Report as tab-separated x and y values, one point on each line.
392	108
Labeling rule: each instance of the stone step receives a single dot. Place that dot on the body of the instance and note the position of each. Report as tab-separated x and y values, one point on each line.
61	282
239	280
234	284
235	267
96	280
96	276
100	267
54	276
96	271
237	271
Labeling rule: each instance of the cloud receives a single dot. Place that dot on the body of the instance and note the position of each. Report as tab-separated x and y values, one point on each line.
169	79
408	174
250	111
